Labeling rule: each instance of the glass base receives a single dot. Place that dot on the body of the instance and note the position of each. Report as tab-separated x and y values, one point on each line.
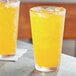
45	69
6	56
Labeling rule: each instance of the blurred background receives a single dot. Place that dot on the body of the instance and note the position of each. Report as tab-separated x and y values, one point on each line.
69	42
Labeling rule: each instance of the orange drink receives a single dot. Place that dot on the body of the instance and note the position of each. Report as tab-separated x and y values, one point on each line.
9	13
47	24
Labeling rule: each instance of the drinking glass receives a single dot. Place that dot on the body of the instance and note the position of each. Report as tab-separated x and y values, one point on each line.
47	24
9	15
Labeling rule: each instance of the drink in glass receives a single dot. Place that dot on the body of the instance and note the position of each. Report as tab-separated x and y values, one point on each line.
47	24
9	13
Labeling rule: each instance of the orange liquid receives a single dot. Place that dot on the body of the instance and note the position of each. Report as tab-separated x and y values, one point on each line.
47	32
9	13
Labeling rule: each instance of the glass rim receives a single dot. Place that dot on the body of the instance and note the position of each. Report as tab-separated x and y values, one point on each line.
35	9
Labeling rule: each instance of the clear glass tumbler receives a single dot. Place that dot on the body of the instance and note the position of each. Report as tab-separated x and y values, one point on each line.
47	24
9	15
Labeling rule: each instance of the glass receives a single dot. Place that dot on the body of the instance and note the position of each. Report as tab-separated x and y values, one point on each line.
47	24
9	15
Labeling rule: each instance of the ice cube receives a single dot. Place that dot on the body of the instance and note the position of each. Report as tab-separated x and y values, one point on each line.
37	8
50	9
57	9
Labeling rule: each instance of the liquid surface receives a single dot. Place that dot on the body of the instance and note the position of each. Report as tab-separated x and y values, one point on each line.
9	13
47	32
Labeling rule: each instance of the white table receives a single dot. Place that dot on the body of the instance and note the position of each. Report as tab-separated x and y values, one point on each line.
25	65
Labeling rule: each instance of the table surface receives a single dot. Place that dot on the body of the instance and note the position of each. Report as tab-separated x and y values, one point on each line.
25	65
